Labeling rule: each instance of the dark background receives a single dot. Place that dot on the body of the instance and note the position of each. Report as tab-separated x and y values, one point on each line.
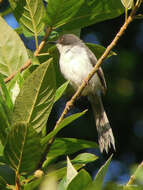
123	101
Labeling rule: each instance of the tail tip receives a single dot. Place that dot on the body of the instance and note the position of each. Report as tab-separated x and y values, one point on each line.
106	140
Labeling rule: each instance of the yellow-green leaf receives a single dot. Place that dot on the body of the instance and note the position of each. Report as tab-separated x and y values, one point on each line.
35	100
13	54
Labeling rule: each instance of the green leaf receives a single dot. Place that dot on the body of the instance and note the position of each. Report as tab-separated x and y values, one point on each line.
128	4
63	123
62	184
3	126
7	174
6	95
60	11
29	13
1	150
5	109
98	50
35	100
5	120
92	12
21	151
66	146
61	90
61	169
34	185
13	54
80	181
84	158
99	179
3	183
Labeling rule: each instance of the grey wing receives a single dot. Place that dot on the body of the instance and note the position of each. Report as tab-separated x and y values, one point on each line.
99	72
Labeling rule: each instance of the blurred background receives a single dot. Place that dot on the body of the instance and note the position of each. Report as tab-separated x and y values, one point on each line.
123	101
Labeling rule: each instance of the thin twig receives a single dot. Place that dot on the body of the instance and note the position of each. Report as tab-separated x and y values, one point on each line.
26	65
85	82
29	62
42	44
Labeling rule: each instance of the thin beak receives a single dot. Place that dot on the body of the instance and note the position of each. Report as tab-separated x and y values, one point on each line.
52	42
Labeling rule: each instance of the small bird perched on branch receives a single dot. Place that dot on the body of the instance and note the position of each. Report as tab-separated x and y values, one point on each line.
76	62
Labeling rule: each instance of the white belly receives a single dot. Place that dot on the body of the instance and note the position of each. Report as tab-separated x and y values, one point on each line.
75	67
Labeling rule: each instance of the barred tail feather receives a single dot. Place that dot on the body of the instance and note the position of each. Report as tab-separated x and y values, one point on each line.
105	134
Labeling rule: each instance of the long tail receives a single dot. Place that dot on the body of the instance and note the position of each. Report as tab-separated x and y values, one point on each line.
105	134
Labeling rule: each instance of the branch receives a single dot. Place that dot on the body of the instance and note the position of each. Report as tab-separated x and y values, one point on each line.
29	62
85	82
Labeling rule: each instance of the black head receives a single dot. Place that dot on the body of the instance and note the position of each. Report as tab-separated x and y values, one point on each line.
68	39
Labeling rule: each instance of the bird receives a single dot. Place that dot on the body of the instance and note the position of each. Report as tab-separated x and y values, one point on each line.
76	62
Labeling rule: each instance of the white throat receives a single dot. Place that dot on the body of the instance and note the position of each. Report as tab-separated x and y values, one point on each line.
62	49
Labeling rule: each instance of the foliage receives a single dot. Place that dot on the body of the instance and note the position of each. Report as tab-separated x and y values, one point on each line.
29	157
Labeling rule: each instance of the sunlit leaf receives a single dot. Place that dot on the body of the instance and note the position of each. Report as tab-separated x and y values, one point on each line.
49	182
13	53
36	97
14	86
85	158
71	172
29	13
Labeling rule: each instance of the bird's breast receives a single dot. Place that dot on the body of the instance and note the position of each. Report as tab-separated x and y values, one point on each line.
75	65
